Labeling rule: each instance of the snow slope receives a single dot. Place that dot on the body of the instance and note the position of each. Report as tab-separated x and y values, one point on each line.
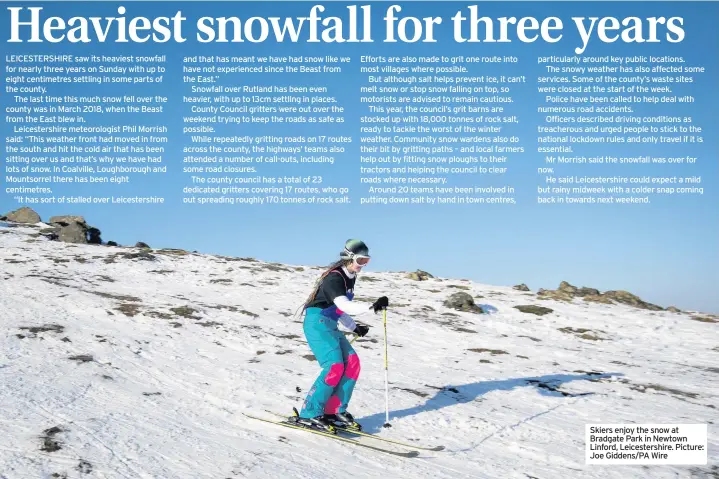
114	366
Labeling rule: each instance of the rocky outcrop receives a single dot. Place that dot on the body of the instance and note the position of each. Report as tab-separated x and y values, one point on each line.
598	298
521	287
66	220
568	292
629	299
22	215
73	233
74	229
419	275
65	228
462	301
555	294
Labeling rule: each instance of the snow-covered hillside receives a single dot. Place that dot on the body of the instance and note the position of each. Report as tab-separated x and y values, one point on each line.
120	362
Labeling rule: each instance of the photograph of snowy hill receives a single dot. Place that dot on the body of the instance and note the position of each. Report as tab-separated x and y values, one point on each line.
139	362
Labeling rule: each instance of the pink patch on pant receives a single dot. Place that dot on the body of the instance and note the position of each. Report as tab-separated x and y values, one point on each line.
335	374
333	405
352	370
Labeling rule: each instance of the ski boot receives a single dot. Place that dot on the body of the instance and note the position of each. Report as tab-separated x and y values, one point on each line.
344	420
319	423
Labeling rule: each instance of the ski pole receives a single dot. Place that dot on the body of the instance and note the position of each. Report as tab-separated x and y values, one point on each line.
386	381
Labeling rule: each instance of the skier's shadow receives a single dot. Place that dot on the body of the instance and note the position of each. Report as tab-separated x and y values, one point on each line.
450	395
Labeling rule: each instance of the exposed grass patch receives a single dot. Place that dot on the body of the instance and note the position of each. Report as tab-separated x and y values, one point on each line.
275	267
704	319
582	333
84	467
493	352
208	324
49	443
644	388
533	309
465	330
533	339
82	358
161	271
128	309
55	328
118	297
185	312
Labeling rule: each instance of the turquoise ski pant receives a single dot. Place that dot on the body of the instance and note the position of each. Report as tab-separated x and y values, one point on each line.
332	390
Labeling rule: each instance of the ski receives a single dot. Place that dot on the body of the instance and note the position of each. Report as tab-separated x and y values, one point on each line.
408	454
378	438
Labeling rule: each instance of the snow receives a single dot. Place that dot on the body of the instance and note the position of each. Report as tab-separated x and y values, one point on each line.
507	393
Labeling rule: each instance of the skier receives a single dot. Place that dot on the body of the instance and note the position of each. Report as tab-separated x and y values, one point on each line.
331	301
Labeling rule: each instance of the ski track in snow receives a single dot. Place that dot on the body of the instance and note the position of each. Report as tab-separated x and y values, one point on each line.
161	394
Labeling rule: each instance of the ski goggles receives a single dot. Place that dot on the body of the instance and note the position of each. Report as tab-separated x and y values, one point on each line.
360	260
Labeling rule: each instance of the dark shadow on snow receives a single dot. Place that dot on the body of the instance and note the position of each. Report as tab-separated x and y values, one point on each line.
451	395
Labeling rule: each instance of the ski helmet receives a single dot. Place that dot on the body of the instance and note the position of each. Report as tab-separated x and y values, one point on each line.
354	248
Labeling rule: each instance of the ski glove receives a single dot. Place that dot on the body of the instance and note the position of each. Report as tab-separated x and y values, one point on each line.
380	304
361	330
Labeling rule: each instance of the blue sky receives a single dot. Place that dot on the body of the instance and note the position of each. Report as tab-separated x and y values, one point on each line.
665	251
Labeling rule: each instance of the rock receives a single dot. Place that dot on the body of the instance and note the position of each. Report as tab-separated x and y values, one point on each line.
567	292
67	220
72	229
50	233
140	244
521	287
93	235
182	252
567	288
555	294
598	298
419	275
674	309
532	309
111	243
587	292
705	319
73	233
629	299
574	291
23	215
462	301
